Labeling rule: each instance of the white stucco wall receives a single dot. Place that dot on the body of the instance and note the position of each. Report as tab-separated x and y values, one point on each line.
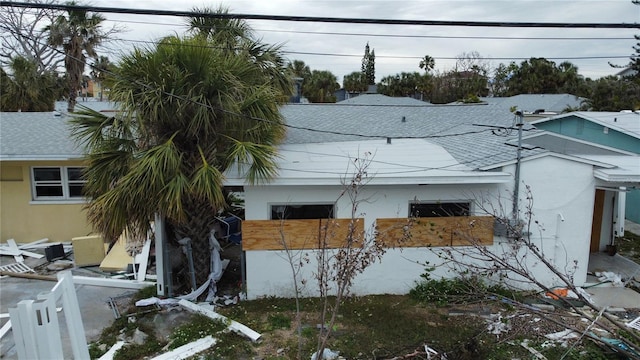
561	189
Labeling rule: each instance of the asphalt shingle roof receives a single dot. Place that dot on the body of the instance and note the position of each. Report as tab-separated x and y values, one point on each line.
472	134
382	100
36	135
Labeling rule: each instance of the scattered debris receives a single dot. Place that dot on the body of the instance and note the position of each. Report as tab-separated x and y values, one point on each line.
563	337
536	353
5	329
16	268
607	276
635	323
497	325
109	354
327	354
188	350
233	325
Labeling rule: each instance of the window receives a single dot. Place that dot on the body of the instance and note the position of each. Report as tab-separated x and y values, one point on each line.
312	211
439	209
57	183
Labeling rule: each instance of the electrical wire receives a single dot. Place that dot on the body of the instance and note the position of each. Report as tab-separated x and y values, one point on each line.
254	118
319	19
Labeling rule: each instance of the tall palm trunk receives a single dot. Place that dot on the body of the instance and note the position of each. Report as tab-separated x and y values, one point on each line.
200	220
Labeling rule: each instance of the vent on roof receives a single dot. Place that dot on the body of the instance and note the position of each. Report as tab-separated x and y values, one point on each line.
404	119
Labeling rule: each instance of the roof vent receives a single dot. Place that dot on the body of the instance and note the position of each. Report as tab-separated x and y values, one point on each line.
404	119
388	140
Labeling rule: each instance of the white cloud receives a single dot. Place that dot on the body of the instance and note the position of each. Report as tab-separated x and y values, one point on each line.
585	11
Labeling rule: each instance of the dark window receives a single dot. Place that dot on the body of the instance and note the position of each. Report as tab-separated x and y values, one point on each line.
322	211
439	209
57	183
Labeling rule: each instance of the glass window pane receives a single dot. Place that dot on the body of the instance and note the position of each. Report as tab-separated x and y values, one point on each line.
321	211
48	190
75	190
74	173
439	210
47	174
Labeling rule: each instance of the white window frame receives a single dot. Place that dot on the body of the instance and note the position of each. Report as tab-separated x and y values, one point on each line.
64	182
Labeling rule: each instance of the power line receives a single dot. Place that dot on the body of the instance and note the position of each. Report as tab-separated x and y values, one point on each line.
408	36
502	24
153	42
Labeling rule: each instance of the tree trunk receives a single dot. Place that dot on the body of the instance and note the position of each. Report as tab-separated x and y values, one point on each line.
198	225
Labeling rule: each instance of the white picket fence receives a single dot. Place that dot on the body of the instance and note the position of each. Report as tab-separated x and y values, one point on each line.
35	323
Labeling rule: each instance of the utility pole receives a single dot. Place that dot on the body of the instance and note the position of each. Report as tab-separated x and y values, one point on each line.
516	187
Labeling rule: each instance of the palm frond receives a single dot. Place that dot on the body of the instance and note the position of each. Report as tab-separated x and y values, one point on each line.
258	160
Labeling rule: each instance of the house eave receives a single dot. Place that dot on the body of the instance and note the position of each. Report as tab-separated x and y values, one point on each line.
469	178
538	156
10	158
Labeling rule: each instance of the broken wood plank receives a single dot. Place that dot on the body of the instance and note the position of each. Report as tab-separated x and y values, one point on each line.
13	246
116	283
112	351
5	329
143	260
233	325
188	350
32	245
28	276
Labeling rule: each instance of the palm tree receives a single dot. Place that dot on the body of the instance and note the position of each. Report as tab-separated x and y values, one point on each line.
100	70
427	63
321	87
25	89
190	110
78	34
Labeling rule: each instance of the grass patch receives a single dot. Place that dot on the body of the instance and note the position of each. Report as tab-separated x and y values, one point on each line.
197	328
629	246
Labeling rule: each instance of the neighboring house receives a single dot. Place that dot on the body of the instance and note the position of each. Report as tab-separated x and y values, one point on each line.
535	106
626	72
40	184
40	179
438	160
383	100
620	130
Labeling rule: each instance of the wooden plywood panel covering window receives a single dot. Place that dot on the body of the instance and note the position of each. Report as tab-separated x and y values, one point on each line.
299	234
436	231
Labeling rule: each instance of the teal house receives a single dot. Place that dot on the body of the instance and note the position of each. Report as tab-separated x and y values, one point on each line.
619	130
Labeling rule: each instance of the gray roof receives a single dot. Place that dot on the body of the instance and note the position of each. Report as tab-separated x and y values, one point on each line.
36	136
382	100
532	102
474	135
477	136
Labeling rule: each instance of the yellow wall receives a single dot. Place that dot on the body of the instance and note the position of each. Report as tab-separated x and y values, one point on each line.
26	222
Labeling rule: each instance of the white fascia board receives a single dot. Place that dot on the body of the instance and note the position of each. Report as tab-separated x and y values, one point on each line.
40	157
469	178
617	178
550	153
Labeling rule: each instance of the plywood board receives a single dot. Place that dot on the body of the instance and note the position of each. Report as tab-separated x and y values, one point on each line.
117	259
436	231
298	234
88	250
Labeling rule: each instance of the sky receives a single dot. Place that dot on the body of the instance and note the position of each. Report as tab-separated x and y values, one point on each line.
398	48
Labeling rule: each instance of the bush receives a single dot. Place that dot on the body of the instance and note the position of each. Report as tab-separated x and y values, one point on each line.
459	290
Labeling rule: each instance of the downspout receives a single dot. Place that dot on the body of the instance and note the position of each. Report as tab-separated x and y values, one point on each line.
516	187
